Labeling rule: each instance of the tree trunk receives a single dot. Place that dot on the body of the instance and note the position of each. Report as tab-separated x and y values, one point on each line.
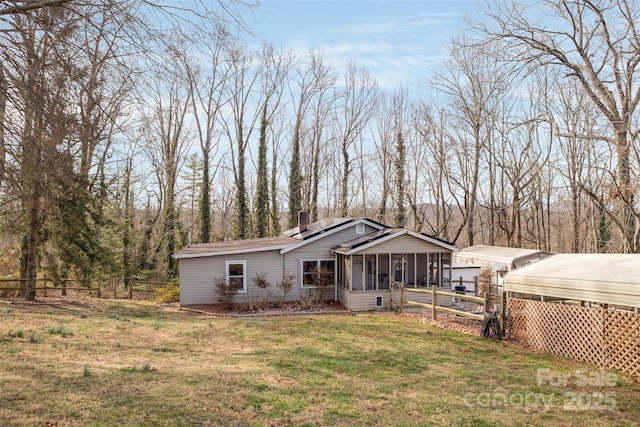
630	219
3	110
344	194
32	242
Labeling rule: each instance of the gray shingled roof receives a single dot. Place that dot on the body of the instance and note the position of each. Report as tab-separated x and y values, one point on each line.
236	246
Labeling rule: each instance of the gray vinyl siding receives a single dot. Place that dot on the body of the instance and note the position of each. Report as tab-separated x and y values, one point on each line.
318	250
366	300
344	296
197	277
402	245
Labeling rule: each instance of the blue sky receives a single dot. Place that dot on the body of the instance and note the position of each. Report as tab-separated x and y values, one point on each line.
397	41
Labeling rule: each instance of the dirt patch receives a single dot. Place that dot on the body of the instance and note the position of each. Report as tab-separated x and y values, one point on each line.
78	305
446	321
284	309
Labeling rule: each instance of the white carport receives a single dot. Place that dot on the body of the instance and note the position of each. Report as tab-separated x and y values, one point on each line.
498	258
597	278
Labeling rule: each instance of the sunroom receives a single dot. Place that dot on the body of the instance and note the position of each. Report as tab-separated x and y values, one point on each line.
367	268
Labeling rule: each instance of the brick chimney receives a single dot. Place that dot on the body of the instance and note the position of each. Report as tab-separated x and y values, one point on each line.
303	221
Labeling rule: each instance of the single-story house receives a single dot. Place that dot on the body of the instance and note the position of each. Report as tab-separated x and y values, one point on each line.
598	278
363	256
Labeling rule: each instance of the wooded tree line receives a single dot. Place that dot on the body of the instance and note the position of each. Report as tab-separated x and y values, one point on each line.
130	129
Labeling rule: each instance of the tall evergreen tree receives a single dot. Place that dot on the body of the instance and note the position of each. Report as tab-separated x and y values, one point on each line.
400	217
262	197
204	202
241	208
295	180
275	208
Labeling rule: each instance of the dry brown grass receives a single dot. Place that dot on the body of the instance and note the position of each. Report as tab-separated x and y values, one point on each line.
125	363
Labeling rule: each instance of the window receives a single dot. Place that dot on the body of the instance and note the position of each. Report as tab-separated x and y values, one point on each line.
370	273
237	275
378	302
318	272
360	228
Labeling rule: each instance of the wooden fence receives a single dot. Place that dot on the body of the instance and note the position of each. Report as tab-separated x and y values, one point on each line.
108	288
435	292
601	336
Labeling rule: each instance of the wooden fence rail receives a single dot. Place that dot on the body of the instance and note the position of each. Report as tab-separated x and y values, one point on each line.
485	301
112	287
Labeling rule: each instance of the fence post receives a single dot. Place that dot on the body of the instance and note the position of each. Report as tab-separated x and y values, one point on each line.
401	285
130	281
45	287
487	301
503	312
434	298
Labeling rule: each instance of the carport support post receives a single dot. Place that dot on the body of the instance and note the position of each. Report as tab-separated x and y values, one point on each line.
503	312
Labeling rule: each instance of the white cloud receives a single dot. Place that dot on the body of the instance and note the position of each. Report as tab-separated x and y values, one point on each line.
398	42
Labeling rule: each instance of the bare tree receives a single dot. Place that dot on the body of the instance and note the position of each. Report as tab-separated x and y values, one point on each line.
474	82
355	107
55	63
3	116
14	8
207	105
308	90
169	102
276	68
595	43
441	171
244	98
382	135
573	116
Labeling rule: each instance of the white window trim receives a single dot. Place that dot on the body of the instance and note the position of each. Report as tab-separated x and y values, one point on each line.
317	261
244	271
360	228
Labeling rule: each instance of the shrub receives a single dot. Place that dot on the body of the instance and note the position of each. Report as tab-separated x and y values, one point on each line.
168	293
261	281
317	296
226	292
287	283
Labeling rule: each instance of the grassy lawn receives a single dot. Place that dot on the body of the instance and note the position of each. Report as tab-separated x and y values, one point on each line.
112	362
